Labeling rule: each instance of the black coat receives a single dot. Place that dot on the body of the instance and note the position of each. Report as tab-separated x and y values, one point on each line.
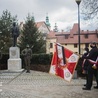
85	62
93	54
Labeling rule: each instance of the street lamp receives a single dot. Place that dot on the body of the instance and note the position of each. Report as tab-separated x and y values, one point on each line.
78	3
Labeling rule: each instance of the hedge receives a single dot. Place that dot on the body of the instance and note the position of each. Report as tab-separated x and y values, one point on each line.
39	62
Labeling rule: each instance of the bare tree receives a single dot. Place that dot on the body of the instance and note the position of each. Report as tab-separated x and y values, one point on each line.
90	9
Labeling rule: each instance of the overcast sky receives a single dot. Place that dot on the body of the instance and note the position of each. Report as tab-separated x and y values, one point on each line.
62	12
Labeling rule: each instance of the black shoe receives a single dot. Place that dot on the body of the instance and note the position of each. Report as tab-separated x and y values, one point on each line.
84	84
96	87
28	72
86	88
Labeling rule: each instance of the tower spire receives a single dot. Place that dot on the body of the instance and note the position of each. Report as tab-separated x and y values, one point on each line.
47	20
33	17
55	28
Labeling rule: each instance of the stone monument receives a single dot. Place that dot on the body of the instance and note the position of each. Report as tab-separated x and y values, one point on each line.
14	61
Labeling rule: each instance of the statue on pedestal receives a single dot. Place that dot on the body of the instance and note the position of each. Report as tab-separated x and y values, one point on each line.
15	33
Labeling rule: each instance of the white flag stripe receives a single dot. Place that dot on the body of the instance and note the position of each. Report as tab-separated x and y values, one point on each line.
59	49
53	69
73	58
67	75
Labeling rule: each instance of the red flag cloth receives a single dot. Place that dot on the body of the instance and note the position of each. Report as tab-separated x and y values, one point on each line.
63	62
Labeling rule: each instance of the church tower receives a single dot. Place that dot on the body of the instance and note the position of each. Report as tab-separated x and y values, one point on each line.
47	21
33	18
55	28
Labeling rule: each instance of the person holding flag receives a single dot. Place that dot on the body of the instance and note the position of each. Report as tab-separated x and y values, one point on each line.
93	54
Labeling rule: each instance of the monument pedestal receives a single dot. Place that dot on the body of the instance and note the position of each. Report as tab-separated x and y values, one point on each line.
14	62
75	76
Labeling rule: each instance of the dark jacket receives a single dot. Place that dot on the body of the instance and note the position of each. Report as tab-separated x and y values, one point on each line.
92	55
85	61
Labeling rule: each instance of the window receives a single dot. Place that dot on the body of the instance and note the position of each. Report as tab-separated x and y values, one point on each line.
87	45
51	45
86	35
66	36
75	45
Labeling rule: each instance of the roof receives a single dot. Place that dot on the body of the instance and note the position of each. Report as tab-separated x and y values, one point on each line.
72	36
39	24
51	35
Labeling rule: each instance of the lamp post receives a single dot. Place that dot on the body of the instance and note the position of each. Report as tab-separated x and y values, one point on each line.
78	3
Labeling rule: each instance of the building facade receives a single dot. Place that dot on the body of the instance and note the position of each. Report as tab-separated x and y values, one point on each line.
43	28
70	39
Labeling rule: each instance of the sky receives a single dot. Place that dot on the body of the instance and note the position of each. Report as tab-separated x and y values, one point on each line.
62	12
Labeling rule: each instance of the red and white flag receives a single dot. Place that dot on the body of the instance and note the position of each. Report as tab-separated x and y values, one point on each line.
63	62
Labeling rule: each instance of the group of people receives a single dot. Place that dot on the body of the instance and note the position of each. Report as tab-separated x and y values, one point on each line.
90	66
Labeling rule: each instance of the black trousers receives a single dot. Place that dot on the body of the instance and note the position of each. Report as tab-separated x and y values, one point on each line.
91	72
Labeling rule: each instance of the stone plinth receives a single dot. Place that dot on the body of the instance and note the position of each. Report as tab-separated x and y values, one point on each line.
75	76
14	62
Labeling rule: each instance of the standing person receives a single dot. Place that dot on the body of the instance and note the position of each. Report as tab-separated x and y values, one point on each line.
85	63
27	53
91	71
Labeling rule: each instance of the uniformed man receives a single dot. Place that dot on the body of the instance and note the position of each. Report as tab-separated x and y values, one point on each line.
27	53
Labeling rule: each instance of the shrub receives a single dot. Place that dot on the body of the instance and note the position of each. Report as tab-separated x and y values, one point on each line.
40	62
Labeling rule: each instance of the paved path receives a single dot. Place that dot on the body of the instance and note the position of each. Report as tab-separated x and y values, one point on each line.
42	85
